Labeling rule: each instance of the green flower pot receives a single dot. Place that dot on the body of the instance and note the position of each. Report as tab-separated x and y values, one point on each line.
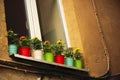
12	49
78	63
48	56
69	61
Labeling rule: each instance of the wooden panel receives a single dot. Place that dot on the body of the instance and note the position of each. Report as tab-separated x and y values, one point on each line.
84	32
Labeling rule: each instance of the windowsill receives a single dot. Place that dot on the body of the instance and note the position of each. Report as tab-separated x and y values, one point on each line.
49	63
29	64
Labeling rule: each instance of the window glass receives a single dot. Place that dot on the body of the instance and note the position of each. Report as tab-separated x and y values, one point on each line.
16	16
40	18
50	20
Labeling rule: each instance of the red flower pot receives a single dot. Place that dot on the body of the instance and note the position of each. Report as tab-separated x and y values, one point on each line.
59	59
25	51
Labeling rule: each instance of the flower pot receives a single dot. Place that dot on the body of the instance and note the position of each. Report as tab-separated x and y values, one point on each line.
48	56
69	61
25	51
78	63
59	59
12	49
37	54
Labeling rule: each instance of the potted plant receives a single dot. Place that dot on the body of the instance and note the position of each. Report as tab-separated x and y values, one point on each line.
58	49
69	56
24	46
37	48
12	42
48	55
77	58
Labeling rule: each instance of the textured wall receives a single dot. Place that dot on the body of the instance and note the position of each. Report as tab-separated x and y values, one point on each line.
89	18
86	34
95	24
3	34
109	15
9	74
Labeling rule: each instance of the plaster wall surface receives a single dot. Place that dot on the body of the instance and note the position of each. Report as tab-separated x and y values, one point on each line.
93	25
82	18
108	13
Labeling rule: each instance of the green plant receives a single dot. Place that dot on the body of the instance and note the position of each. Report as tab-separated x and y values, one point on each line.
12	37
47	46
68	52
77	54
24	41
36	43
58	47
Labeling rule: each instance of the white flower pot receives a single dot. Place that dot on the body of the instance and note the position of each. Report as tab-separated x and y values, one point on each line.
37	54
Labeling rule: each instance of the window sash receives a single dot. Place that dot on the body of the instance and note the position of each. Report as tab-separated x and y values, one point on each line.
32	19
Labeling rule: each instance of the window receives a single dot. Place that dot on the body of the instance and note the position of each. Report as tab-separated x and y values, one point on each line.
41	18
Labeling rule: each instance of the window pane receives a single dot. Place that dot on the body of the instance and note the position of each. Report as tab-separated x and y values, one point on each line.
50	20
16	16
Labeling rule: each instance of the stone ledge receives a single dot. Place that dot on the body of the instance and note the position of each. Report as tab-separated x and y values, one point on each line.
42	68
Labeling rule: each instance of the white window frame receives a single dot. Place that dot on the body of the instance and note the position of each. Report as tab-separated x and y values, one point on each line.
32	18
33	21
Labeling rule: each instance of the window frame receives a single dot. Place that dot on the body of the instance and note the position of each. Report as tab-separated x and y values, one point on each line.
33	21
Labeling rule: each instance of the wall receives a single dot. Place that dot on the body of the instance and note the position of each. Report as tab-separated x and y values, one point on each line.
109	11
3	34
89	18
9	74
95	24
86	35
